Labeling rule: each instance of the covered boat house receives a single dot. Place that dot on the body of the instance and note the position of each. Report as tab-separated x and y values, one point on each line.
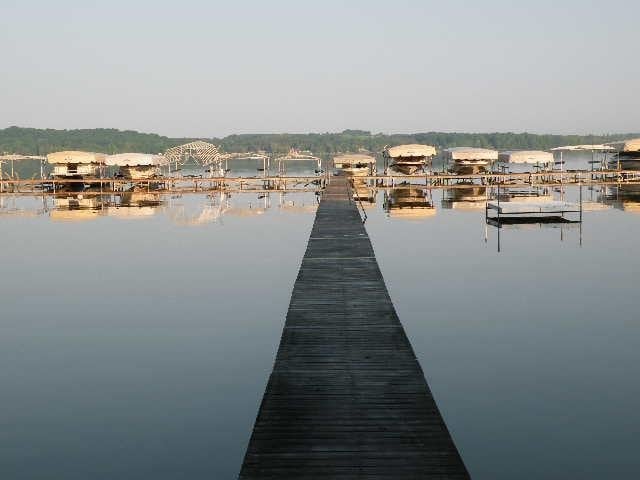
469	160
136	166
408	159
518	161
77	164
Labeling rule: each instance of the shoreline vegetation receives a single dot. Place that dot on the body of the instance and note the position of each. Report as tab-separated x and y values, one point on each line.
35	141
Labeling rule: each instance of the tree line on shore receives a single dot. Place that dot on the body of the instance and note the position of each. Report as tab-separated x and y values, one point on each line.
32	141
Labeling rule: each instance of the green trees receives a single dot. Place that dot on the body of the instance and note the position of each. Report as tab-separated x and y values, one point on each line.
42	141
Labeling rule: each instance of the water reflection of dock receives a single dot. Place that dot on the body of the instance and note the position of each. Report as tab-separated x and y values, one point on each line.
347	397
465	198
409	203
623	197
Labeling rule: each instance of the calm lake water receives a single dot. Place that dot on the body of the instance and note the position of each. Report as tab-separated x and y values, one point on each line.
137	336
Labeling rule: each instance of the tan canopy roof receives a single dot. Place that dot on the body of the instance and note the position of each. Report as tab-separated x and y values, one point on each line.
135	160
630	145
72	156
470	153
353	158
411	150
526	156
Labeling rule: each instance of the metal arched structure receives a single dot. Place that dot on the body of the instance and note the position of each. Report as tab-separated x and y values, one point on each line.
205	154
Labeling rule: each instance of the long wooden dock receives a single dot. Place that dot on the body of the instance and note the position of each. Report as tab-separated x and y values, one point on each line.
347	398
199	183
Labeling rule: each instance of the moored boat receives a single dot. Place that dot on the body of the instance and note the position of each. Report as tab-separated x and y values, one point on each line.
355	164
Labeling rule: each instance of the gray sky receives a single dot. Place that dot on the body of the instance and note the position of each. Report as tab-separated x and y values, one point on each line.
207	68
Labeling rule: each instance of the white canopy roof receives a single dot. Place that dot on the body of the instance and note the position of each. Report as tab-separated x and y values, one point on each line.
630	145
580	148
72	156
470	153
410	150
135	160
526	156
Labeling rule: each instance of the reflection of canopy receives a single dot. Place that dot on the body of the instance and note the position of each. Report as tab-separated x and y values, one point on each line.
630	145
410	150
129	212
470	153
140	199
135	160
20	212
630	206
75	157
208	214
245	212
412	213
78	201
74	215
526	156
292	208
595	206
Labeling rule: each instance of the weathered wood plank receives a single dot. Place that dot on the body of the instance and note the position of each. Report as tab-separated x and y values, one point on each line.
347	398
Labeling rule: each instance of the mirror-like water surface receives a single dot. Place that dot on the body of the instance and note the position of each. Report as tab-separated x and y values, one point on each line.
138	330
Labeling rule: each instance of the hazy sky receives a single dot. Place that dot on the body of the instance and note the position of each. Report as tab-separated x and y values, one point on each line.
207	68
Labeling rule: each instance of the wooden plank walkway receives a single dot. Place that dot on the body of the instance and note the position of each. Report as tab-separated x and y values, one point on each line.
347	398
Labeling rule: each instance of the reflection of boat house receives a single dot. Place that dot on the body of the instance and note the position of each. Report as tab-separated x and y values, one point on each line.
409	203
408	159
134	205
296	204
355	164
469	160
624	197
465	198
136	166
75	164
363	193
77	208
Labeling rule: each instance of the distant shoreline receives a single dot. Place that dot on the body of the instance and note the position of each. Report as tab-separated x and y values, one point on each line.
36	141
